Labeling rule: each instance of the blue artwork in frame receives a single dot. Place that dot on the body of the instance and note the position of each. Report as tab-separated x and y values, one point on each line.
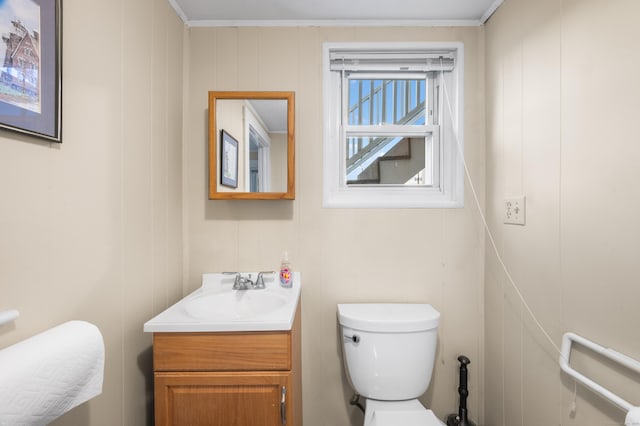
30	70
228	160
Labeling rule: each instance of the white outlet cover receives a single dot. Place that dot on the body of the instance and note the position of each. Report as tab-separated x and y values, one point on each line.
513	210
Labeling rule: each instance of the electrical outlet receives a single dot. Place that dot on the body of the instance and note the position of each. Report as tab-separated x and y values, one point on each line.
514	210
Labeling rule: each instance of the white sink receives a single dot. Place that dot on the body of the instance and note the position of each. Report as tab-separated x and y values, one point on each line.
235	305
215	306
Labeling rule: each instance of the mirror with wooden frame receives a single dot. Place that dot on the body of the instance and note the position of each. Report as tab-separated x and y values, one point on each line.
251	145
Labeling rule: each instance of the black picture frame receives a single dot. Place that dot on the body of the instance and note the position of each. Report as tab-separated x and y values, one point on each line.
31	68
228	160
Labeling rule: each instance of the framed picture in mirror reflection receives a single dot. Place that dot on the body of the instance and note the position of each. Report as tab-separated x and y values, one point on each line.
228	160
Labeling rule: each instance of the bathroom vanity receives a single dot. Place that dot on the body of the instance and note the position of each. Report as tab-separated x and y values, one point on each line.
247	367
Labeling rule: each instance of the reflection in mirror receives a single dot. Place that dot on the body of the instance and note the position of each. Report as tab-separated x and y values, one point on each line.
262	124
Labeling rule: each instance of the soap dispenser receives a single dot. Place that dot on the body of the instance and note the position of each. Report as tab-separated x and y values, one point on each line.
286	275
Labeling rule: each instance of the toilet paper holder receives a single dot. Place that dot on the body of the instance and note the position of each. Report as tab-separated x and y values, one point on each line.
8	316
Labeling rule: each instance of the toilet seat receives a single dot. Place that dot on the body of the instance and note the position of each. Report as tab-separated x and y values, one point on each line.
396	413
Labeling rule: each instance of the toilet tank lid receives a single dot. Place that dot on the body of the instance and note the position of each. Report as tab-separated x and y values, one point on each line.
388	317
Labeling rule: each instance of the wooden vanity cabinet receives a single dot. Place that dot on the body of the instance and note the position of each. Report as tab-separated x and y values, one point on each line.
228	378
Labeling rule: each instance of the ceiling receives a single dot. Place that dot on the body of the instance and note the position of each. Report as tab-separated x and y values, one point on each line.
334	12
273	113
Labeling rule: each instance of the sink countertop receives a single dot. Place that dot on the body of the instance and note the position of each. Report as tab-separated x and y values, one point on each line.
177	318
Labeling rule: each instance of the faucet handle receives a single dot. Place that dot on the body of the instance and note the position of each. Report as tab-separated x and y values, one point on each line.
237	284
260	279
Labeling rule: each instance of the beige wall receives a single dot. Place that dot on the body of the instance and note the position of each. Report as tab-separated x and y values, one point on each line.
421	255
92	229
562	112
231	119
278	162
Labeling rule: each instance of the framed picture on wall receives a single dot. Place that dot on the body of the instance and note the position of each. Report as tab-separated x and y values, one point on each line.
30	77
228	160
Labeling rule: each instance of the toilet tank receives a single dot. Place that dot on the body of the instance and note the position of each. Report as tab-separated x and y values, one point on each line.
389	348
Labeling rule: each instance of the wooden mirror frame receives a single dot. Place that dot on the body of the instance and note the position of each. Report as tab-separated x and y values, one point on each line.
214	194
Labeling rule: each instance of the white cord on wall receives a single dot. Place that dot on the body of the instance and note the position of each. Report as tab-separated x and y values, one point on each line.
488	231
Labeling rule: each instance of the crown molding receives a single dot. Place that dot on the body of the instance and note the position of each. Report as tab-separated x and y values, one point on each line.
179	11
490	11
335	23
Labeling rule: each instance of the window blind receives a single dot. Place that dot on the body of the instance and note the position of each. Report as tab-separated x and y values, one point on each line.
411	60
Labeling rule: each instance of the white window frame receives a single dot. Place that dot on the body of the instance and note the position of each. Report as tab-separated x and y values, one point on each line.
448	188
252	121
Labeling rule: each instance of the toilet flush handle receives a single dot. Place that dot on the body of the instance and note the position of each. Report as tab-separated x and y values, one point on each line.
355	338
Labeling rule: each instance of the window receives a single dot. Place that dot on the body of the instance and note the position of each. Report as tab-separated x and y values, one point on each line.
393	132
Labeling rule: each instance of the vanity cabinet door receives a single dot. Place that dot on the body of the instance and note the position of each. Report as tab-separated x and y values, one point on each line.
222	399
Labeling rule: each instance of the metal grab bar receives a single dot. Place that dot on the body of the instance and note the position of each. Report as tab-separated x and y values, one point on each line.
8	316
633	412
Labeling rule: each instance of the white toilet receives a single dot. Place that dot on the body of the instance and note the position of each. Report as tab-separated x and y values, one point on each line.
389	352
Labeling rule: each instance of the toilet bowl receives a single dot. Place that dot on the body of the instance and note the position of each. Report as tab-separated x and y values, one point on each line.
399	413
389	353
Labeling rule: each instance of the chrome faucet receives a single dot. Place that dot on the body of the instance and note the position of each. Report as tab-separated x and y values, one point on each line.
243	283
246	283
260	279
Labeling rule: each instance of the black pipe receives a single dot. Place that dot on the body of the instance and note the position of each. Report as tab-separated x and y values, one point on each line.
461	419
355	400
